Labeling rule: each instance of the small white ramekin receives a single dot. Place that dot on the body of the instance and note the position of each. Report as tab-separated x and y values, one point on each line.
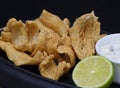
108	41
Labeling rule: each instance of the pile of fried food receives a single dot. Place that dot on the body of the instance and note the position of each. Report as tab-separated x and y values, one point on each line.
49	42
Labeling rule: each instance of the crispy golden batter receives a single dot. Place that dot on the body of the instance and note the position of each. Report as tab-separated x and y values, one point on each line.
6	36
49	68
36	59
40	45
84	33
54	22
40	42
14	55
17	33
33	35
20	58
67	53
49	42
66	22
65	40
52	39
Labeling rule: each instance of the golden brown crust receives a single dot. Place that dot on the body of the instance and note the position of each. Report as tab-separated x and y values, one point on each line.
40	42
49	42
84	33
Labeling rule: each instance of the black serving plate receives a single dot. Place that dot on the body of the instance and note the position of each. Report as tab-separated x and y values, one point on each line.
12	76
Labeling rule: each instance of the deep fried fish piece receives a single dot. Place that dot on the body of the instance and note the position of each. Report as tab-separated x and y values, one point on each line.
36	59
17	33
40	44
48	68
84	33
67	54
52	40
21	58
33	35
54	22
56	55
44	42
23	36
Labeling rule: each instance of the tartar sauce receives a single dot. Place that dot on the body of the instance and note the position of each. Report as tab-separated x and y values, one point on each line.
111	50
109	47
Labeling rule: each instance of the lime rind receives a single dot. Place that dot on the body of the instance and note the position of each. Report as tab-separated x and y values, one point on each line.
104	84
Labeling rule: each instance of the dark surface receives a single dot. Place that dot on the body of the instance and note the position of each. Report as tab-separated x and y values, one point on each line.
108	11
11	76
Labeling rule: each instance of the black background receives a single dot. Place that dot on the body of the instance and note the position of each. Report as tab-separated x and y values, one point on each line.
108	11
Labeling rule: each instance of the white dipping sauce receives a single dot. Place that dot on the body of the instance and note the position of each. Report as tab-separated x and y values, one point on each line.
111	50
109	47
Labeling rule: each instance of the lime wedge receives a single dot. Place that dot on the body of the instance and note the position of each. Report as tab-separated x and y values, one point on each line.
93	72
